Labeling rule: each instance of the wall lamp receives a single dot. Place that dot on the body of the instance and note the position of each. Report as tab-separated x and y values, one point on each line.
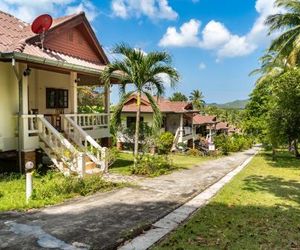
27	72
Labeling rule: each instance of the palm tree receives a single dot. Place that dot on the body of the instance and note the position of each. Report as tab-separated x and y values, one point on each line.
144	72
288	43
271	66
178	97
196	98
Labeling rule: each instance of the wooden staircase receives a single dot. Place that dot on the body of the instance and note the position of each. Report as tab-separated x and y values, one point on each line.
64	155
85	142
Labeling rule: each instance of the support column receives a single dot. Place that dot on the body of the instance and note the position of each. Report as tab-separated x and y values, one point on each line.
23	109
181	129
107	102
73	92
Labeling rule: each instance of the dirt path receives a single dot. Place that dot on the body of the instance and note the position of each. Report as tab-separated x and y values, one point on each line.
103	221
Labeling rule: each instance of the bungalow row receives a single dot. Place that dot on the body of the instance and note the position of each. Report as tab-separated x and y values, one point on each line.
179	118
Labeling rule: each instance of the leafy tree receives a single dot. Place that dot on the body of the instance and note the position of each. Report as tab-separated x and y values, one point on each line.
89	96
254	121
196	98
143	72
286	44
178	97
285	116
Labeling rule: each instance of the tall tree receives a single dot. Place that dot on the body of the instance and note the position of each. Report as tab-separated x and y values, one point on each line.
285	112
196	98
178	97
144	72
286	44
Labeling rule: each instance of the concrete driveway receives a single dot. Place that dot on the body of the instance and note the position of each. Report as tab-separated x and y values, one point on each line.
105	220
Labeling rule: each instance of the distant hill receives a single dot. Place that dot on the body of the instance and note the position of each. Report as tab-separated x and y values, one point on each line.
238	104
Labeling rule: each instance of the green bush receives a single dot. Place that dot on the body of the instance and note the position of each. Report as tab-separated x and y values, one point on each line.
233	143
164	142
222	143
153	165
55	184
194	152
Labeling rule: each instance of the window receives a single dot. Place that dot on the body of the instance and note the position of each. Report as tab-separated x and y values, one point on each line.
56	98
131	121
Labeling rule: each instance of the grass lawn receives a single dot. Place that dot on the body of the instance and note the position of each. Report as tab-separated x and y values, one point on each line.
125	162
49	189
259	209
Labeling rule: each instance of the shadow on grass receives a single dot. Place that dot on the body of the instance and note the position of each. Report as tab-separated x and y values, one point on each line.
122	163
222	226
283	159
285	189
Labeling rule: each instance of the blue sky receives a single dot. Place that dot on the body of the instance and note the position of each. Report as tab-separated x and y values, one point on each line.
214	43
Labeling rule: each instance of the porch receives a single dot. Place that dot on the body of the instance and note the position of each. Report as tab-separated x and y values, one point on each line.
49	120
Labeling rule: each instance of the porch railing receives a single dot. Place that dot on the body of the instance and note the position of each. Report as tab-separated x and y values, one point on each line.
63	154
90	121
30	124
95	152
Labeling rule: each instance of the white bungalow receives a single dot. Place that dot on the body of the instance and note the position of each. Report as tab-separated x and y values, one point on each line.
38	93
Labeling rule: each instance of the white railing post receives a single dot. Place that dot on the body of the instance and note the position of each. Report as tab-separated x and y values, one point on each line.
81	164
104	156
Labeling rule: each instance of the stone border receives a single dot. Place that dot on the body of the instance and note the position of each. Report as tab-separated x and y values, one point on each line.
171	221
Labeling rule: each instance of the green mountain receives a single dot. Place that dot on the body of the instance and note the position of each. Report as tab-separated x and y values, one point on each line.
238	104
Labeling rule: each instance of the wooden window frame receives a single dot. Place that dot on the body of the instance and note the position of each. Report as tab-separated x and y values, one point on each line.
60	98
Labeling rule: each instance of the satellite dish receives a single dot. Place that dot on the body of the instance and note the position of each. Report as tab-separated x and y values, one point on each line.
41	25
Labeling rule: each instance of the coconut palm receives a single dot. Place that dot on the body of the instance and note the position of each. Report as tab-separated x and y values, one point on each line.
288	43
145	72
271	66
196	98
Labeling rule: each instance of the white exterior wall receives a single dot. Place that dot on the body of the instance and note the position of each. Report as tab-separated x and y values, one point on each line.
39	80
148	118
8	107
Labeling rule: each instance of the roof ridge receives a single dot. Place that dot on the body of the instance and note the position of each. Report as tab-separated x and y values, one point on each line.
10	15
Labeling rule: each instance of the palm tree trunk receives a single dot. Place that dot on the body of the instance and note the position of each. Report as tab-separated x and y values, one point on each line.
137	128
273	153
296	148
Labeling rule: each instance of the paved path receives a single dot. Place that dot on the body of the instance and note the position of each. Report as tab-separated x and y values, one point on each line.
103	221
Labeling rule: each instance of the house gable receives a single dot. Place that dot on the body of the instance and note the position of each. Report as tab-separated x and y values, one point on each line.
76	38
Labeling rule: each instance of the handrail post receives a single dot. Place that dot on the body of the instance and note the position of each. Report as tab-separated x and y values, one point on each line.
104	156
81	164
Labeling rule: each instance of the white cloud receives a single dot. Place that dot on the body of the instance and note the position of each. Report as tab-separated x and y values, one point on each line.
86	6
215	36
154	9
186	36
27	10
236	46
202	66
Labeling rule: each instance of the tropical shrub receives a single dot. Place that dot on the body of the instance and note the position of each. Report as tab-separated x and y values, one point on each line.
222	143
88	109
233	143
112	155
164	142
194	152
54	184
153	165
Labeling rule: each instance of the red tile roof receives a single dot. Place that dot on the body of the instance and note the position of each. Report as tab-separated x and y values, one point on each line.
222	126
164	105
204	119
15	33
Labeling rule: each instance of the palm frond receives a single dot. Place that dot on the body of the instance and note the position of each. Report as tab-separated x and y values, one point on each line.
157	116
116	117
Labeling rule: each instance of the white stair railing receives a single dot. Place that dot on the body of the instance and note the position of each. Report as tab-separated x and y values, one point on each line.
63	154
176	139
93	150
